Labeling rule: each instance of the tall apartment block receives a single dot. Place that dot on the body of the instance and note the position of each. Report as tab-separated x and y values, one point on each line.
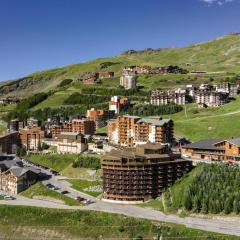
83	126
128	81
100	117
136	176
130	131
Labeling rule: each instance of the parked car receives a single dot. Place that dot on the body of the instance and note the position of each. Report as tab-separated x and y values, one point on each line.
88	201
64	192
8	197
80	199
50	186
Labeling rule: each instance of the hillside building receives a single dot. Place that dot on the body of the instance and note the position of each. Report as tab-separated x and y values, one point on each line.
211	98
162	98
128	81
105	75
137	176
118	104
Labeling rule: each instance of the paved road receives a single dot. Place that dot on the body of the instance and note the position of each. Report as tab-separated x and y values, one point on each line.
227	226
230	226
211	116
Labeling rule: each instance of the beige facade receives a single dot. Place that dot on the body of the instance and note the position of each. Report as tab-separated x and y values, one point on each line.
129	131
16	179
71	143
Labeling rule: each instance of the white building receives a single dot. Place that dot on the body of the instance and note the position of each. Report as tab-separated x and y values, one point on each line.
128	81
70	142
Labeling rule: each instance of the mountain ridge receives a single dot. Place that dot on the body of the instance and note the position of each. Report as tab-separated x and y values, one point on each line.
220	54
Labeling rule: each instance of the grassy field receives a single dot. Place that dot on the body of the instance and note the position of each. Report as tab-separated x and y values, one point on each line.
28	222
92	188
197	124
82	173
39	191
57	162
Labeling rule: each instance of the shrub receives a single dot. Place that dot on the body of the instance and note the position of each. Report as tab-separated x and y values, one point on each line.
87	162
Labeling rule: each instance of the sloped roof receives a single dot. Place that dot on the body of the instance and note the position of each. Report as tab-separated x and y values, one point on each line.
18	171
234	141
204	144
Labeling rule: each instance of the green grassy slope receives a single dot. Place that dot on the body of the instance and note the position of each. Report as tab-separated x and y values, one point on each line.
221	54
197	124
28	222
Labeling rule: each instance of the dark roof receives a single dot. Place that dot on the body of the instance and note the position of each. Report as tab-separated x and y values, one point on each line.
18	171
204	144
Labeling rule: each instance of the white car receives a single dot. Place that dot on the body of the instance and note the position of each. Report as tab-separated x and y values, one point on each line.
8	197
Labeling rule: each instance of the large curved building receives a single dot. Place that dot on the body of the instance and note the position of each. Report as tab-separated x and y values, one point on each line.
136	176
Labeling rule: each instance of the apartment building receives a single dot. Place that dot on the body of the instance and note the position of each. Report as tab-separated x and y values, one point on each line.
129	131
213	149
159	97
211	98
140	175
9	143
136	70
227	87
100	116
31	138
128	81
71	142
118	104
106	75
14	177
83	126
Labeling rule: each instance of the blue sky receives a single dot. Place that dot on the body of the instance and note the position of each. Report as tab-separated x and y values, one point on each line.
42	34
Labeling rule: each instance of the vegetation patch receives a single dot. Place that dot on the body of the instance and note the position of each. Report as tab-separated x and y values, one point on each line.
65	82
78	98
216	189
93	188
85	161
39	191
57	162
207	189
21	109
29	222
151	110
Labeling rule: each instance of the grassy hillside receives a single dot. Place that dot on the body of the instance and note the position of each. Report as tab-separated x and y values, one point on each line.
28	222
197	124
221	54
